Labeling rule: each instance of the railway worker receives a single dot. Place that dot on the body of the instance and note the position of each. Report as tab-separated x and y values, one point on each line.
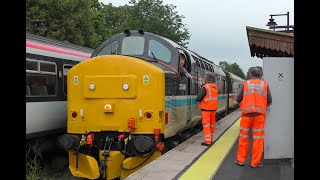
208	98
182	70
254	96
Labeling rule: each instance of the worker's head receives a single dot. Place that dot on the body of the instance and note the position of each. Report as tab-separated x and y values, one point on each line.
209	78
182	60
255	72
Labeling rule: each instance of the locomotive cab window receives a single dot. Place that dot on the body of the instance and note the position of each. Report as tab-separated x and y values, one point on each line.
111	48
66	69
133	45
159	51
41	78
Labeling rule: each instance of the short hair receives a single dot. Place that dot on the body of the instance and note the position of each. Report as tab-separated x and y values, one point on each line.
211	78
255	72
182	57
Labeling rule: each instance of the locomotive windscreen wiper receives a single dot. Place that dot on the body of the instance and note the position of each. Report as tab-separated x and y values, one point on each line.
154	57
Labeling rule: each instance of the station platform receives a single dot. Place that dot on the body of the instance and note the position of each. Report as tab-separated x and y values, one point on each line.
190	160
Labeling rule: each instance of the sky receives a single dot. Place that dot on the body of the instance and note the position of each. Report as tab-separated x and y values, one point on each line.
218	27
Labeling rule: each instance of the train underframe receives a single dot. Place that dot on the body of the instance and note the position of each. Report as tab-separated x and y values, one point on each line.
110	155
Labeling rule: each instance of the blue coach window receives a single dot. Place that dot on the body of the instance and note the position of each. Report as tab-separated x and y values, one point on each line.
133	45
159	50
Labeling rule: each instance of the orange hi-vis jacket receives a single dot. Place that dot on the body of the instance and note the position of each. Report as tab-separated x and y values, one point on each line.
210	100
254	96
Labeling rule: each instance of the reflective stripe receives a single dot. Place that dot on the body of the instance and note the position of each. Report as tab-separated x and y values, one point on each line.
207	136
257	86
244	129
252	87
243	136
258	137
209	99
254	92
206	125
253	108
212	125
210	96
257	130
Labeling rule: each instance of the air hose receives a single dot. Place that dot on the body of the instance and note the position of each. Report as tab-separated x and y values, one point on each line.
139	146
149	155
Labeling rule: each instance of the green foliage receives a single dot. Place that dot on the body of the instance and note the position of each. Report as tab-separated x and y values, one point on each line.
76	21
155	17
89	22
114	18
233	68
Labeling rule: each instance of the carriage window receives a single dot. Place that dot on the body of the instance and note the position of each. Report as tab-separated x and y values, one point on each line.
211	67
31	65
159	51
202	64
46	67
220	82
133	45
223	82
206	65
111	48
66	69
41	81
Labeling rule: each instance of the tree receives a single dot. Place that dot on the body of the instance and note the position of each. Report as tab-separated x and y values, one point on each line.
153	16
89	22
76	21
233	68
114	18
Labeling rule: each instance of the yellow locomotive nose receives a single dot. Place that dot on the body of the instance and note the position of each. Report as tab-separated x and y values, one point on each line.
108	96
106	91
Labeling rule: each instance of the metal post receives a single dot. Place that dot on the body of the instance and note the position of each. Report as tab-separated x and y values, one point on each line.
288	21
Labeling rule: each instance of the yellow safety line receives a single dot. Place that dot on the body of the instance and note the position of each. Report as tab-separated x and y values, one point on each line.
208	164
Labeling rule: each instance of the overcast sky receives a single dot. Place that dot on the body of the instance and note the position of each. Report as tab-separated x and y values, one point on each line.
218	27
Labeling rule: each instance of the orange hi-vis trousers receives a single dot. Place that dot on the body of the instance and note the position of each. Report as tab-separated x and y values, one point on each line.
208	122
257	125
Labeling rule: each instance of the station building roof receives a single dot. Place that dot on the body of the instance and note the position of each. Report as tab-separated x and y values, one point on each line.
268	43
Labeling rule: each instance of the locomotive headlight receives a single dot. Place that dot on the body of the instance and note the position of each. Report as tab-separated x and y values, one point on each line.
108	108
125	86
92	86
